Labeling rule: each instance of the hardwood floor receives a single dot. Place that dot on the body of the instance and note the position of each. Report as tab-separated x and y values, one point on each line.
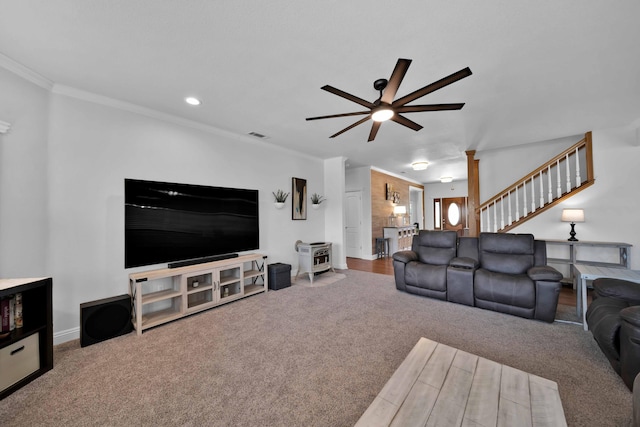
380	265
385	266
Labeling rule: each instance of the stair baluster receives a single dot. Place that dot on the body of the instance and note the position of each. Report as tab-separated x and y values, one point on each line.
580	152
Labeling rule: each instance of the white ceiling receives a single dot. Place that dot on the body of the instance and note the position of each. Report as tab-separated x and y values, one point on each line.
542	69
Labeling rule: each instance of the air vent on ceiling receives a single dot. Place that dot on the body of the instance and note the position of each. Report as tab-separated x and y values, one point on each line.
258	135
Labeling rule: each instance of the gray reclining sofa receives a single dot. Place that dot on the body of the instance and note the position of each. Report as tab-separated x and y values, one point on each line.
496	271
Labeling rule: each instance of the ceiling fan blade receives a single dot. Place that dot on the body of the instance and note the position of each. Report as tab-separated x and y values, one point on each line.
374	131
348	96
394	81
357	113
433	87
429	107
359	122
406	122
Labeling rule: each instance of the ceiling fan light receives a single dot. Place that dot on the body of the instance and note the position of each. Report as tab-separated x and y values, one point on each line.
419	166
191	100
382	114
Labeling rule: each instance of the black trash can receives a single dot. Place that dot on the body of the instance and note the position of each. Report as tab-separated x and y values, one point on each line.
279	276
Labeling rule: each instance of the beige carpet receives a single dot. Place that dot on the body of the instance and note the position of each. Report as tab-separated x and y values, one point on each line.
302	356
323	279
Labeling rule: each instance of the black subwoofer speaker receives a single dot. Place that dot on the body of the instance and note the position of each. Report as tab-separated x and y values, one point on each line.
104	319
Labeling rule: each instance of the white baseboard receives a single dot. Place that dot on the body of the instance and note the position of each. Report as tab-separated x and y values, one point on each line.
64	336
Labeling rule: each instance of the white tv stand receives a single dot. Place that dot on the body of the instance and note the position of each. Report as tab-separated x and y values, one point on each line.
160	296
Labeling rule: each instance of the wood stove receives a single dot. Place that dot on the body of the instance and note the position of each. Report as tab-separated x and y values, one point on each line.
313	258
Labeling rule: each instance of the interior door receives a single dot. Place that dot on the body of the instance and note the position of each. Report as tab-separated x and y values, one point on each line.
454	214
353	224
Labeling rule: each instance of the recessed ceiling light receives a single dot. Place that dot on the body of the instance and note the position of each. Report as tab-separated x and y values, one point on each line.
419	166
192	100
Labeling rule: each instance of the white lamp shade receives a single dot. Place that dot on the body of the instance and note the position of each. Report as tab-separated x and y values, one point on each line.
399	210
572	215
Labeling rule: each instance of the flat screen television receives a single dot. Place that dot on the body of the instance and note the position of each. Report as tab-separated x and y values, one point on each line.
168	222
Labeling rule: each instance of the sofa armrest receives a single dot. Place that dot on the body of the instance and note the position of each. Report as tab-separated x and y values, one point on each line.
405	256
464	262
618	289
629	344
631	315
544	273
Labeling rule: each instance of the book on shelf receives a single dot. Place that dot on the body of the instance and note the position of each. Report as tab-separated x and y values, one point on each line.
7	314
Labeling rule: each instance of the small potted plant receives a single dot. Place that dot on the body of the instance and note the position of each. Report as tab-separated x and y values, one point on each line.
280	197
316	199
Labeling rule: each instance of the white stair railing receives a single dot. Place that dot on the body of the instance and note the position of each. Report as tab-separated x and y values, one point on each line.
574	164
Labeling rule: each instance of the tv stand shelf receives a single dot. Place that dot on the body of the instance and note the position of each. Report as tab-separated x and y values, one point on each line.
164	295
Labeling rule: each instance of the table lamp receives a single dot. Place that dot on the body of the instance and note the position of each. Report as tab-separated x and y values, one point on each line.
572	216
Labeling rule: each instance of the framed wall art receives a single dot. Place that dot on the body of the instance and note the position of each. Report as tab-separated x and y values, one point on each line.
299	198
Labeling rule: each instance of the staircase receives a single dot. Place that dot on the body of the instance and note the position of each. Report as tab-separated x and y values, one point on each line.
558	179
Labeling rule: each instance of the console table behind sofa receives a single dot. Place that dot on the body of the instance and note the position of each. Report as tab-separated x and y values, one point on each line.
623	256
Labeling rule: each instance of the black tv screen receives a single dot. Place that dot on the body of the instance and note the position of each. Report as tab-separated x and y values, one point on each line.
167	222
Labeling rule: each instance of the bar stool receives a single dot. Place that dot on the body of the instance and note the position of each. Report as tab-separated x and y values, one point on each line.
382	247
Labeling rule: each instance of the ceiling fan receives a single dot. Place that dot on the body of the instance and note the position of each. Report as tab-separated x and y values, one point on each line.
385	108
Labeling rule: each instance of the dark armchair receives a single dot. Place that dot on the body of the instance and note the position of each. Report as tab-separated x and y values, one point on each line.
513	276
423	269
614	320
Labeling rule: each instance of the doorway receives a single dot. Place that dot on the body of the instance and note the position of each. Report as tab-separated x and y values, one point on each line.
454	214
416	206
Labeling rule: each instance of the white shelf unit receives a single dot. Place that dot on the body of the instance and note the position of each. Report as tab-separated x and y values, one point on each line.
160	296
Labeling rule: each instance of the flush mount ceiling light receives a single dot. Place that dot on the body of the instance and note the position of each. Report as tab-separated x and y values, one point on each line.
192	100
419	166
446	179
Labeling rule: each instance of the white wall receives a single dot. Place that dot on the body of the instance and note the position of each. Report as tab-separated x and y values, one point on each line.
500	168
611	205
359	179
334	184
23	177
62	192
441	190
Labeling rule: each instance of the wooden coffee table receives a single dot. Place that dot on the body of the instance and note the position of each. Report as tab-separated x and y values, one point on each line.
438	385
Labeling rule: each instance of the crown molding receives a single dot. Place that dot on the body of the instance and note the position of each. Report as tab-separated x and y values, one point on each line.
137	109
24	72
4	127
168	118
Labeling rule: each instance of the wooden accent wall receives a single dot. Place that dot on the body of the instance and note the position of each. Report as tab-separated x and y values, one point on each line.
382	208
